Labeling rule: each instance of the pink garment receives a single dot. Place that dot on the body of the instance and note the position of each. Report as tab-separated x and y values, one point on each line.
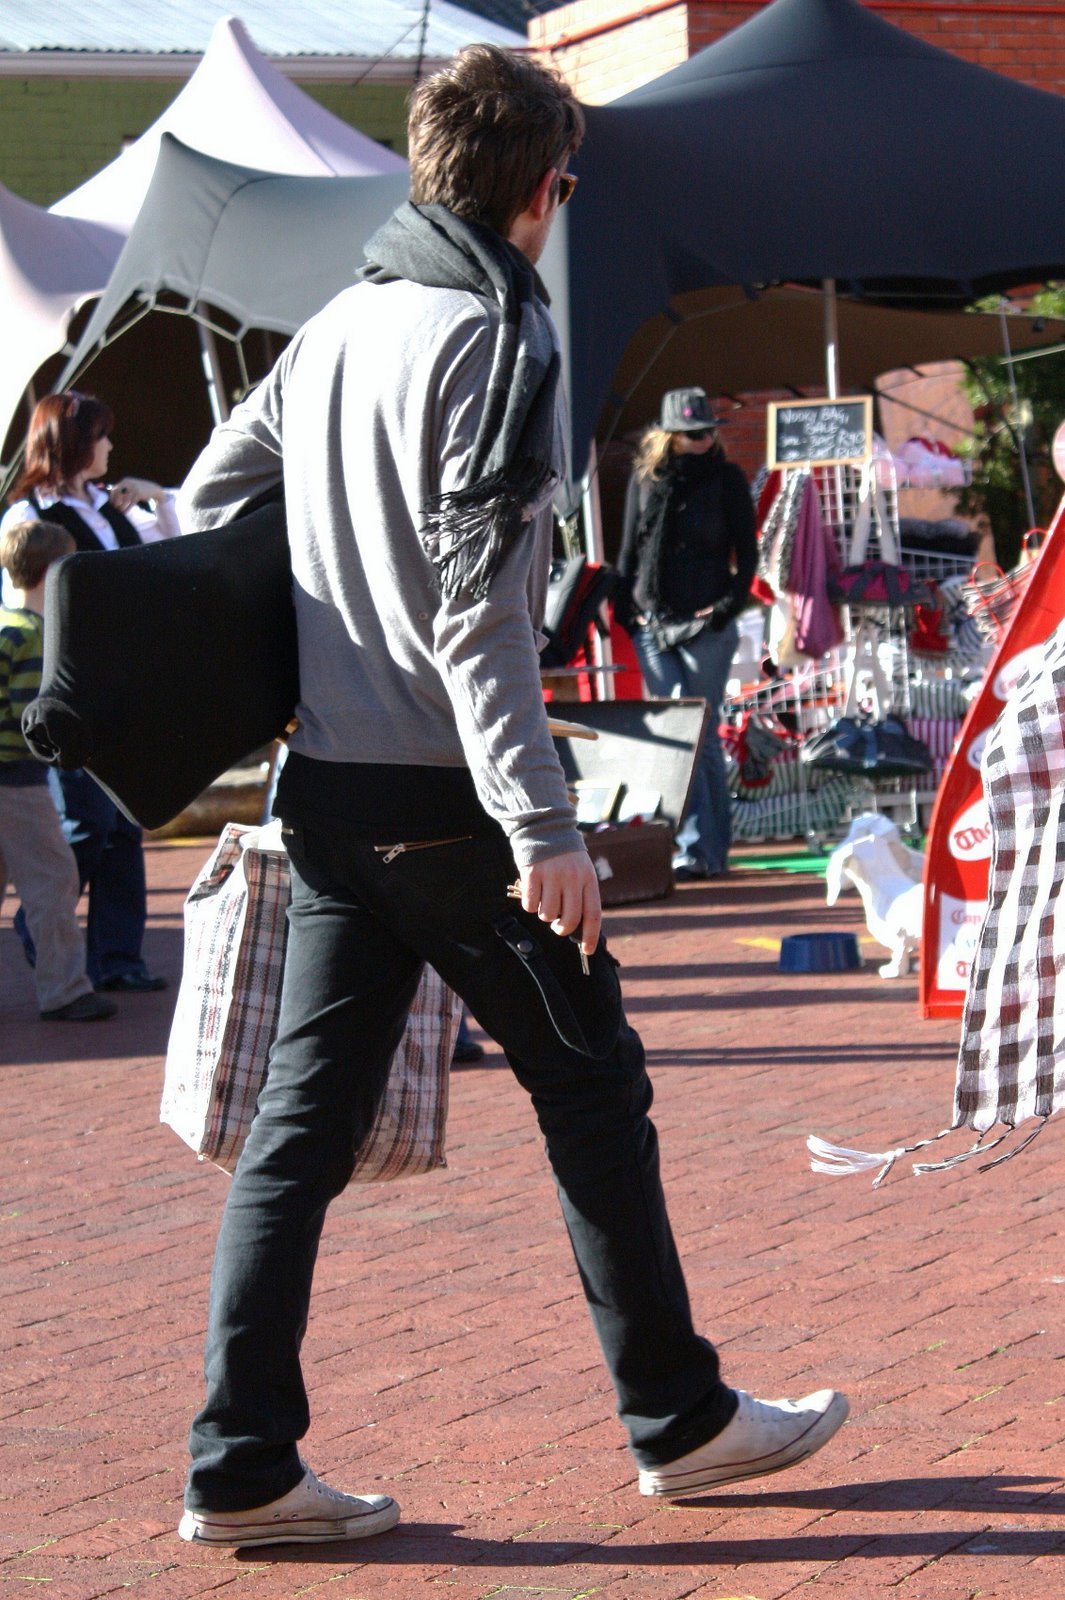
814	560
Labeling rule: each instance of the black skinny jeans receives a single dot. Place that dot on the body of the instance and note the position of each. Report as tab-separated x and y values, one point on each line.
359	931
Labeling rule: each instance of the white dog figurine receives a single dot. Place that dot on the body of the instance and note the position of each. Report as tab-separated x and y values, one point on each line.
887	874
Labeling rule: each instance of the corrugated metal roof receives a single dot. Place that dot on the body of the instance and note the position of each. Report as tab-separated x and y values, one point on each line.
366	29
512	13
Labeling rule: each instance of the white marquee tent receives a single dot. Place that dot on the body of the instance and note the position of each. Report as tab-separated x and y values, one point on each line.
236	106
49	266
239	107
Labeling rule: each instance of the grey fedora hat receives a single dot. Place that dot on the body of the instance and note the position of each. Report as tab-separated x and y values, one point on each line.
687	411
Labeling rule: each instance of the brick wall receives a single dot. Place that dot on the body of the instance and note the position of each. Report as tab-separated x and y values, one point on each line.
606	47
56	132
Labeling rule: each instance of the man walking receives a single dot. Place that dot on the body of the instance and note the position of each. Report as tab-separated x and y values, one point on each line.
419	421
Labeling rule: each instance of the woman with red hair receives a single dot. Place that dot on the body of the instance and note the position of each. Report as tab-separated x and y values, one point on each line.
67	451
68	448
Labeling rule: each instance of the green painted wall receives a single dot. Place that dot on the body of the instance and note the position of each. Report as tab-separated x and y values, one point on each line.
56	132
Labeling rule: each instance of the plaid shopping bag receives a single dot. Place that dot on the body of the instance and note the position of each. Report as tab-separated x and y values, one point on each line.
227	1011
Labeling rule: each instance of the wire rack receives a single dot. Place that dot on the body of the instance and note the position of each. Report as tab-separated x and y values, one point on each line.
807	697
935	565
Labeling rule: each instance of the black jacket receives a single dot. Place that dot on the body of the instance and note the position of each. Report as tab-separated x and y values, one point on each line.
708	554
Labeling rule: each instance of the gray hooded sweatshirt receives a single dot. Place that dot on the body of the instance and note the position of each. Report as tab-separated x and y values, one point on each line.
370	411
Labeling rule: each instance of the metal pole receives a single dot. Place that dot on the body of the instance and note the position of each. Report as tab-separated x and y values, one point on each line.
1021	448
831	327
828	290
592	516
212	371
592	519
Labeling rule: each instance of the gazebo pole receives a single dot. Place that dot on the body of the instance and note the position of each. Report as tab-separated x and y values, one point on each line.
1019	422
212	369
828	289
831	327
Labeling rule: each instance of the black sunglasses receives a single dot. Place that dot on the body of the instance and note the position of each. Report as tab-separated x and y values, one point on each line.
699	434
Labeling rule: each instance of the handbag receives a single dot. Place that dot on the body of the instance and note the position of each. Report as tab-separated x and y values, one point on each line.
875	581
878	583
868	743
865	748
928	636
992	596
227	1011
576	592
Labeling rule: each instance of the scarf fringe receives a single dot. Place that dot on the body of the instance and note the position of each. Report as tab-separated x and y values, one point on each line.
467	533
840	1161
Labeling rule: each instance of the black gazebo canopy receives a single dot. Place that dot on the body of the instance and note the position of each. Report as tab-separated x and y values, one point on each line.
817	141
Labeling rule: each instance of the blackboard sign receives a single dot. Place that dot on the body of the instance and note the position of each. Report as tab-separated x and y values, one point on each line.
832	432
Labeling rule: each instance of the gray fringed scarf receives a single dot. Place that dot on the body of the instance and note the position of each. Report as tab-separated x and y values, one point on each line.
468	531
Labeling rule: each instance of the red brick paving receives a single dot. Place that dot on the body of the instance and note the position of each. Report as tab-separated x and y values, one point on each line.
450	1356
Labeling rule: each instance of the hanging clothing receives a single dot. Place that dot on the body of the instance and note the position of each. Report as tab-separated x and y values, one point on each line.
814	561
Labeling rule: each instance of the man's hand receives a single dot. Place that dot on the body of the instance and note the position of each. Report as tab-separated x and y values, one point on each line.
564	891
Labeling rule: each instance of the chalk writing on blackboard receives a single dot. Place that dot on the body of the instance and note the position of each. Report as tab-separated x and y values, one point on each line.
825	431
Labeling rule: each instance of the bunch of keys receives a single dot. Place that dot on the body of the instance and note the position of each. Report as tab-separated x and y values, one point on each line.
514	893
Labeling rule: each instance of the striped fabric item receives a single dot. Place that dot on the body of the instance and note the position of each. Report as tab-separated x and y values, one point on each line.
786	816
938	697
226	1018
939	734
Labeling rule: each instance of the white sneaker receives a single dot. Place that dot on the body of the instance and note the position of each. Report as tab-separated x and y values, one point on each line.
311	1513
764	1436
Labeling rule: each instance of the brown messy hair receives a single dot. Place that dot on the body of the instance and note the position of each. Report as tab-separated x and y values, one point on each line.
63	434
483	131
28	549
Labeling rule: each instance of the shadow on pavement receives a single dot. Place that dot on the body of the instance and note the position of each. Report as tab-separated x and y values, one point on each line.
420	1543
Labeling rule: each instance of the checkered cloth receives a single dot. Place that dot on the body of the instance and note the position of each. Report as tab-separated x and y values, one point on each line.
226	1017
1012	1060
1011	1063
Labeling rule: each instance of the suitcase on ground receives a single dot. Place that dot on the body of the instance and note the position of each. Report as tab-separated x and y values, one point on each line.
647	744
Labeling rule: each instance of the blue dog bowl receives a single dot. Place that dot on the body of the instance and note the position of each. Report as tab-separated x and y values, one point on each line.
820	952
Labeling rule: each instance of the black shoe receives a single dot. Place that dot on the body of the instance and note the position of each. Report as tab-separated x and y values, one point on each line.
132	983
86	1008
690	869
466	1052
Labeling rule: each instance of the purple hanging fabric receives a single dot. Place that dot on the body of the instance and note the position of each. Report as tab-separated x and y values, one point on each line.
814	560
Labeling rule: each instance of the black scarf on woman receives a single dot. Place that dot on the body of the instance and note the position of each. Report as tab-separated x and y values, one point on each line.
468	531
655	529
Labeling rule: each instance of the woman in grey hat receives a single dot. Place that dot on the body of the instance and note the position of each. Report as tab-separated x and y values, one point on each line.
688	557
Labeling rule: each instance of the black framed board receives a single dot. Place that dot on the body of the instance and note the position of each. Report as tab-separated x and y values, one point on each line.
828	432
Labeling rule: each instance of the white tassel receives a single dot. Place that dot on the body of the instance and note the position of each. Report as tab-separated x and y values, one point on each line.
840	1162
